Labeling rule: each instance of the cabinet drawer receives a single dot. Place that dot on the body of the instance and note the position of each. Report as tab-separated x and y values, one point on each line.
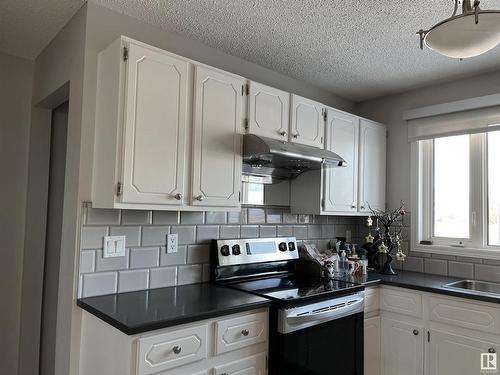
372	299
401	302
166	351
236	333
464	314
253	365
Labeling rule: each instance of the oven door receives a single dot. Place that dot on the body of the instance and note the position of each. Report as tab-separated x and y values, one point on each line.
320	340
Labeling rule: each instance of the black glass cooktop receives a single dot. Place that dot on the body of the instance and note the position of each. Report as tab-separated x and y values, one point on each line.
293	289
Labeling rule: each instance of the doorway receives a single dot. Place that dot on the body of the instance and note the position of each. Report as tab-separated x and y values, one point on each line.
55	205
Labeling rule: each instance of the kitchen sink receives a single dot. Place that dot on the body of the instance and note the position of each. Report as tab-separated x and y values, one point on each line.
479	287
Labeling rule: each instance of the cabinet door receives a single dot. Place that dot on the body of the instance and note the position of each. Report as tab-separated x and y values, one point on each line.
268	111
402	348
253	365
156	100
372	167
218	122
341	184
372	346
454	353
307	122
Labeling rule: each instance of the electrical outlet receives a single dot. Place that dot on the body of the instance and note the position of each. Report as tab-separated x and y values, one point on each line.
113	246
172	240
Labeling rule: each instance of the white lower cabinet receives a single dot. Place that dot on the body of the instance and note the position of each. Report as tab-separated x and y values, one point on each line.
372	346
432	335
402	347
235	344
253	365
452	353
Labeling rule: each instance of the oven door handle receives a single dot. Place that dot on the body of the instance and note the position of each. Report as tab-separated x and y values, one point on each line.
332	314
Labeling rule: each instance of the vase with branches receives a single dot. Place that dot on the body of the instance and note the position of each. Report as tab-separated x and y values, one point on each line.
387	240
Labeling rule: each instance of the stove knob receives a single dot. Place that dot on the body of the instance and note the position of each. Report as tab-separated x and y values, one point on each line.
282	246
224	250
291	246
236	250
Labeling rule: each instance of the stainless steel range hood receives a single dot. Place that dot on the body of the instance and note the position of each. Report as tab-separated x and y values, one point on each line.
267	160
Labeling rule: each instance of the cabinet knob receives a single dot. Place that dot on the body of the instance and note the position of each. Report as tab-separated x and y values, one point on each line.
224	373
492	350
245	332
282	133
178	196
199	197
353	206
176	349
296	135
362	207
415	332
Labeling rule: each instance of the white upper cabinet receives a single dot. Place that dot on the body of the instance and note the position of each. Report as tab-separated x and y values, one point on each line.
268	111
307	122
156	100
341	184
372	166
216	174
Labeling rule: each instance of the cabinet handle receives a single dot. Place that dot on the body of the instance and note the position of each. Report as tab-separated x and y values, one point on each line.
492	350
245	332
199	197
415	332
282	133
178	196
176	349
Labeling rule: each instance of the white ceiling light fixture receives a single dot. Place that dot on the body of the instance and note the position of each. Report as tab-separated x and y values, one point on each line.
469	34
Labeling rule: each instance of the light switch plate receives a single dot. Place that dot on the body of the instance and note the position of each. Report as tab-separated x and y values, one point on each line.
113	246
172	240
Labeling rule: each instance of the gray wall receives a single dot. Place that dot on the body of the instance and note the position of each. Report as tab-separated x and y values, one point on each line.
389	110
16	76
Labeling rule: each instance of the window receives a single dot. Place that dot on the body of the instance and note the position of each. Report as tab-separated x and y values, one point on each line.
456	205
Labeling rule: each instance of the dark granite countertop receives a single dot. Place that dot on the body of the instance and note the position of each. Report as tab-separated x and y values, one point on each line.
420	281
147	310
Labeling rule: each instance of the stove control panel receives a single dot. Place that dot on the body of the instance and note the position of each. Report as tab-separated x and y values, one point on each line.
256	250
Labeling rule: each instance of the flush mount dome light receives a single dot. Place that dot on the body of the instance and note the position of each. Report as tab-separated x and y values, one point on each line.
469	34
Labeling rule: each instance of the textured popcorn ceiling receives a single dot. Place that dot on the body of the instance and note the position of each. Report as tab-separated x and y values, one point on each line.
356	49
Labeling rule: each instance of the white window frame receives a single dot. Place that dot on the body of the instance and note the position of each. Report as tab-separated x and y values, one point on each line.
422	203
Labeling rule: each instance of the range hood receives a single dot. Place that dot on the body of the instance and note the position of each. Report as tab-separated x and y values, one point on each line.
268	161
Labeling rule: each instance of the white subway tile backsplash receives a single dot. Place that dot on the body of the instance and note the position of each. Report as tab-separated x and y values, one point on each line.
198	254
300	231
256	216
206	273
486	272
249	231
132	234
129	281
87	261
413	264
229	231
166	217
190	274
305	219
273	216
173	259
327	231
216	217
314	231
136	217
192	217
102	216
162	277
92	237
186	234
285	231
267	231
207	233
111	264
154	235
462	270
144	257
100	283
237	217
289	218
435	266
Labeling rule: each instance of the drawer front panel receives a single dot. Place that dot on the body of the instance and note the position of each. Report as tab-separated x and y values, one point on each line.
465	314
372	299
172	349
401	302
236	333
253	365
